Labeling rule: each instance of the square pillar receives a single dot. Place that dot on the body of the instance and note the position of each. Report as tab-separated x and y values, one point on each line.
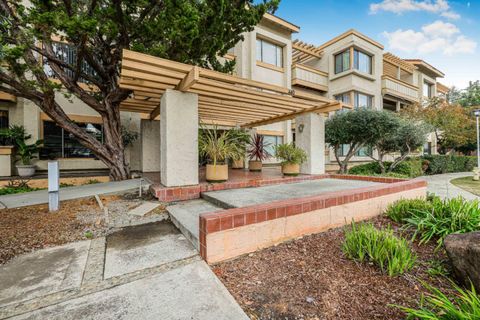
310	136
178	138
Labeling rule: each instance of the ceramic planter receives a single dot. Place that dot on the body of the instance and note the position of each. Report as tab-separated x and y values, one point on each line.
6	161
254	165
217	173
26	170
291	169
237	164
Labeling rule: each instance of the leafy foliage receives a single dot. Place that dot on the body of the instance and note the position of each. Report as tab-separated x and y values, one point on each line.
437	164
290	154
404	208
216	146
9	136
468	97
356	128
410	168
241	138
436	305
257	149
444	217
26	152
363	242
193	32
128	137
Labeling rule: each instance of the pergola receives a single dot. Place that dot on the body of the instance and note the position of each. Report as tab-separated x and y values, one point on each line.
222	98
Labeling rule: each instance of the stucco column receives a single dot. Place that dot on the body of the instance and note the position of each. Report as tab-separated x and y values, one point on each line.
178	138
150	145
310	136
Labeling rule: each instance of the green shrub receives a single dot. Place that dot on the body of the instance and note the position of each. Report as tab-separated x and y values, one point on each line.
445	217
409	168
435	305
363	242
437	164
404	208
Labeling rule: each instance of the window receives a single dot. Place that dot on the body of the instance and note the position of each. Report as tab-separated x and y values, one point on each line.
269	53
362	61
343	97
68	54
427	148
272	141
58	143
362	152
342	61
427	89
3	119
363	100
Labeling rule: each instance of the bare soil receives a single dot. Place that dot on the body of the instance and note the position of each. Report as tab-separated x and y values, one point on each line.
310	278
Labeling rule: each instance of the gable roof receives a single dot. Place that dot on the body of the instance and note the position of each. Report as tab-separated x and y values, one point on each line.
348	33
426	68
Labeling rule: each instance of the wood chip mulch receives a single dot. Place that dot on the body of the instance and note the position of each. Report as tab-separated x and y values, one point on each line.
310	278
30	228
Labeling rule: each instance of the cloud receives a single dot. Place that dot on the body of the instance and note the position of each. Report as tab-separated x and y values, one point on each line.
440	7
438	36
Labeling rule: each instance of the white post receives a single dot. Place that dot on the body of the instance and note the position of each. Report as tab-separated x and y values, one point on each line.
178	138
310	136
53	185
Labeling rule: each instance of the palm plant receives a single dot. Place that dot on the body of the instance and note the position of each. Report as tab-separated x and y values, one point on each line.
217	147
290	154
257	149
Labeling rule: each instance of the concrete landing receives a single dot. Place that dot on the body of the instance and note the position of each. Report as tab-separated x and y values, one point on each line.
237	198
43	272
185	216
191	291
145	246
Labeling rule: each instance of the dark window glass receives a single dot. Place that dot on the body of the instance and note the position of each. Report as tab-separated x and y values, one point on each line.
3	119
59	143
342	61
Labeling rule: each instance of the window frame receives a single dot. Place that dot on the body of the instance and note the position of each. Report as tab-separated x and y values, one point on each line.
356	100
279	51
342	61
356	60
429	89
278	140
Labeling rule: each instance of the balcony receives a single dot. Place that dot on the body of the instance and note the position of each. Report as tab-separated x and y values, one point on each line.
399	89
309	77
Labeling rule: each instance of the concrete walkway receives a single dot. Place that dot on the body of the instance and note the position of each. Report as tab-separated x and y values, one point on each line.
440	185
143	272
68	193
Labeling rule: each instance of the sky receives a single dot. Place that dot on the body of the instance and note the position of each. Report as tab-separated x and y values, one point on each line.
444	33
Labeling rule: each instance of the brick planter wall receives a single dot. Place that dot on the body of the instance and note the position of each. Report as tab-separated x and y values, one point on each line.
229	233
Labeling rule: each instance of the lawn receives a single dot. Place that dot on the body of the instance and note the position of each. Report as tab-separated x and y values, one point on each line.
467	184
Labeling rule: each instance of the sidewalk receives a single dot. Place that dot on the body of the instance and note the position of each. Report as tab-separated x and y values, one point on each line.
68	193
440	185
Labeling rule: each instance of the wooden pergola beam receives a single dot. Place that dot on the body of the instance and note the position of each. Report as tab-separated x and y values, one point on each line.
190	79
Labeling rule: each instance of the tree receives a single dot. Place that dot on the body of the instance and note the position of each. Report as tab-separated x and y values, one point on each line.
469	97
358	128
404	137
189	31
453	125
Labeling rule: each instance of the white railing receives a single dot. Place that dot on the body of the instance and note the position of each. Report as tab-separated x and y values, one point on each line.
399	88
309	77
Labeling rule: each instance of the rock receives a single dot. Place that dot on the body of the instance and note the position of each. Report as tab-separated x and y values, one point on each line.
310	300
464	253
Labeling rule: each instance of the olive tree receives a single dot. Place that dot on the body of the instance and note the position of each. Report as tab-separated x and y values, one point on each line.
357	128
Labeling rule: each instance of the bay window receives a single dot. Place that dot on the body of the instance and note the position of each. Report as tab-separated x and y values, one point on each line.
362	61
270	53
362	100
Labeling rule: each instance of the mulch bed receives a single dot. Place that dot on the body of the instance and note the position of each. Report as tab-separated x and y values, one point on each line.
310	278
29	228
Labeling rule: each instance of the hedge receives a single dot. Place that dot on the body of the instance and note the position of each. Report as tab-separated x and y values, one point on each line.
437	164
410	168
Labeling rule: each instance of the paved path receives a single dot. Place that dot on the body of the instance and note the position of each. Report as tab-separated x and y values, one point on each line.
68	193
143	272
441	186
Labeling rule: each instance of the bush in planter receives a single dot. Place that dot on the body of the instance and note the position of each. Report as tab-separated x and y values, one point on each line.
217	148
257	152
292	157
409	168
240	138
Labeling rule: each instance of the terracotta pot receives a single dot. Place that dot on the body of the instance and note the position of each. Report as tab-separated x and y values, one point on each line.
26	170
291	169
254	165
217	173
237	164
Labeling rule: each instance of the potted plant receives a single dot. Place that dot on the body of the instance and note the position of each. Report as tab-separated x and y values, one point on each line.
217	148
8	141
257	153
26	152
240	139
292	157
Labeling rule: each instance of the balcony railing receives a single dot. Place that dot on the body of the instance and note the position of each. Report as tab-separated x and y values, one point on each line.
309	77
399	88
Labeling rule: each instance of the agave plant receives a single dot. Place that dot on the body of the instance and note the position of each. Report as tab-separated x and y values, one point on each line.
216	146
257	149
